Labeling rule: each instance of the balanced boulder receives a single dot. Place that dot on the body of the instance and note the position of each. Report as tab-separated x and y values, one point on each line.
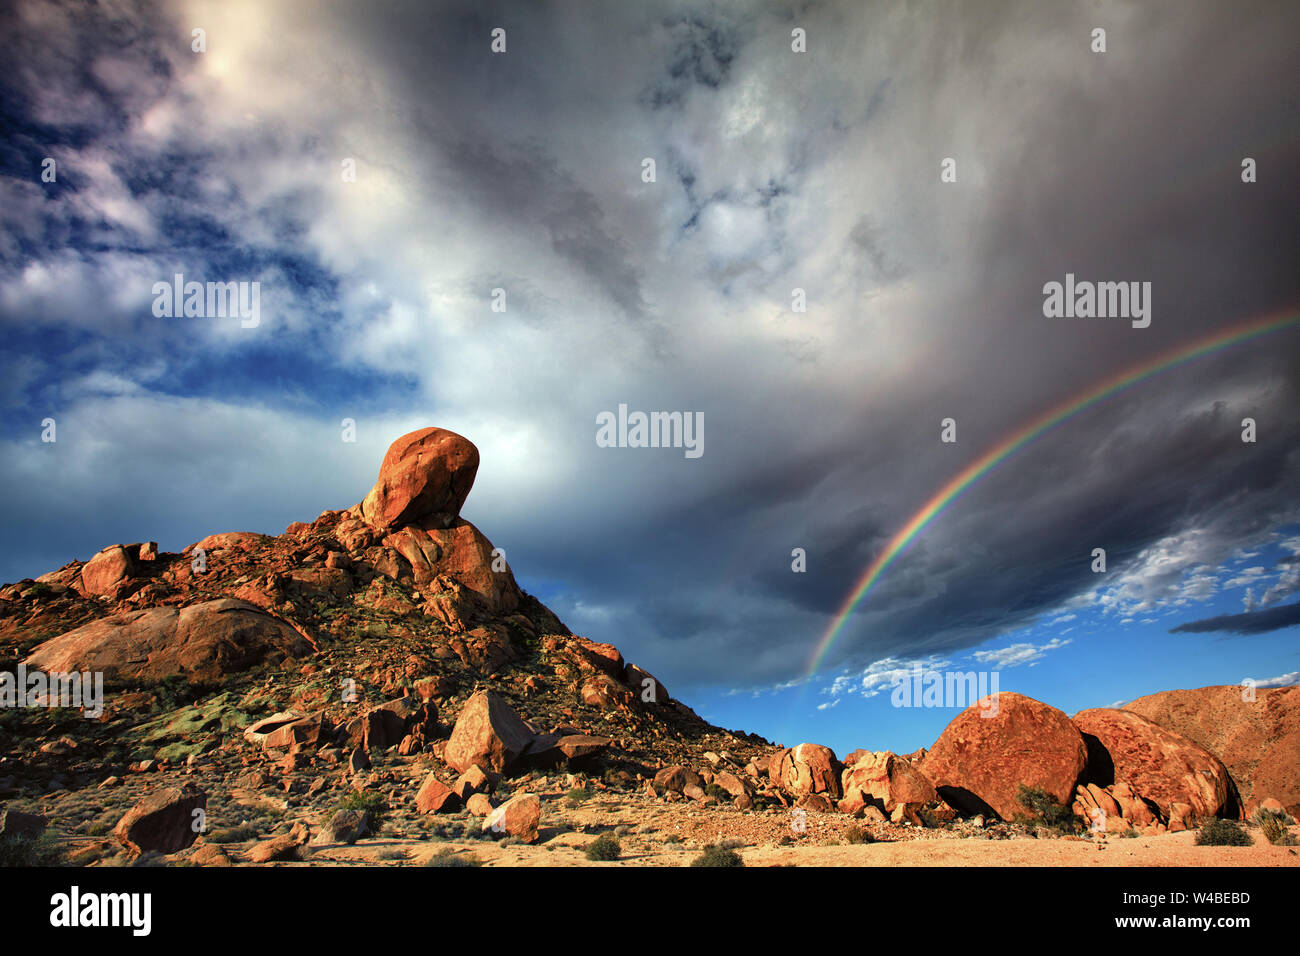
426	475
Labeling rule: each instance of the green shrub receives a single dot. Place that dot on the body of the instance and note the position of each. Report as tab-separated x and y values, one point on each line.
239	834
603	849
1219	832
373	804
575	796
718	856
719	794
1045	810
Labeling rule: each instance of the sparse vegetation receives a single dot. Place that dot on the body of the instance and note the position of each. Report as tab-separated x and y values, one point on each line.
576	796
23	850
603	849
1045	811
1219	832
857	834
449	857
1273	824
718	856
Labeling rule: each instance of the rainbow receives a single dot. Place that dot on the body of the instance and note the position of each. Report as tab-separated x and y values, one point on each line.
1022	437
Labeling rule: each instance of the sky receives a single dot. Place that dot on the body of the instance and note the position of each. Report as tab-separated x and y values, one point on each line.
379	170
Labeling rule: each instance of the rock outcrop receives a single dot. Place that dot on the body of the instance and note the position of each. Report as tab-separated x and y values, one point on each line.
202	641
979	762
1163	766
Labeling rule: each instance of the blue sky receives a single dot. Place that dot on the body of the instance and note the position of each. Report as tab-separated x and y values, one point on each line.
776	172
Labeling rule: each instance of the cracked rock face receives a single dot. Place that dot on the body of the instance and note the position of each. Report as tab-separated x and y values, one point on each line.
424	479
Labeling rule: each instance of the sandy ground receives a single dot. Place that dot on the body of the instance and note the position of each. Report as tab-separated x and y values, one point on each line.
653	833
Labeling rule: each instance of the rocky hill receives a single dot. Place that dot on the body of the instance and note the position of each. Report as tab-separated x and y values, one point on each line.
1255	732
279	697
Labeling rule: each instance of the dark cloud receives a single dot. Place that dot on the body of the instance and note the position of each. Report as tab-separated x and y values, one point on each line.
1249	622
775	170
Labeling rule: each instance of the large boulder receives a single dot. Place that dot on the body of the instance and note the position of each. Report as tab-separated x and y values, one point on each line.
1165	767
886	780
425	477
979	762
1255	733
807	768
107	571
201	641
164	820
488	735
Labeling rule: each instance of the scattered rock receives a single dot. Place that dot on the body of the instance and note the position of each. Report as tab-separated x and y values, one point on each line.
518	817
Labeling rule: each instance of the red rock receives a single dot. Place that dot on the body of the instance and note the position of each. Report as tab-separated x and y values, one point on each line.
106	571
601	690
1131	806
579	747
488	734
645	686
229	541
814	801
210	855
676	778
472	781
426	474
732	784
603	657
434	796
1163	766
202	641
478	804
164	820
309	731
979	763
518	816
276	848
807	768
884	779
